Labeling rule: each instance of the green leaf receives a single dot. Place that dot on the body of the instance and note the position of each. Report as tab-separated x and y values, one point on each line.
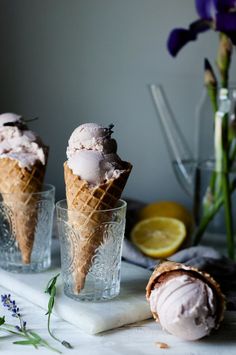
35	335
27	342
2	320
50	305
51	284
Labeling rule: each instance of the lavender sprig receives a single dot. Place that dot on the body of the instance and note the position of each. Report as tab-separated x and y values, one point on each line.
12	307
21	124
30	337
51	290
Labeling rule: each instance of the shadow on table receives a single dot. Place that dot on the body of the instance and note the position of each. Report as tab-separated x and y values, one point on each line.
225	335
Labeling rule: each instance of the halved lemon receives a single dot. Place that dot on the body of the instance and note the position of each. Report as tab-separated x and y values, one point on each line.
168	209
158	237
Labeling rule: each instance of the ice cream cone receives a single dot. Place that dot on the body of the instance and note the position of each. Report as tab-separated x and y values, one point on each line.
18	187
169	269
84	202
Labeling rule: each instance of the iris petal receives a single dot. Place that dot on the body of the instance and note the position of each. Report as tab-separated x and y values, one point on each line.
177	40
205	8
224	5
226	22
179	37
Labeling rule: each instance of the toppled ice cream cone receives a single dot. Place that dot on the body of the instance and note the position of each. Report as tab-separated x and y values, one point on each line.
95	178
186	302
22	168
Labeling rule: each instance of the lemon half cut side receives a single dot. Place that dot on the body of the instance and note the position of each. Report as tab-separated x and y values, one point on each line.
158	237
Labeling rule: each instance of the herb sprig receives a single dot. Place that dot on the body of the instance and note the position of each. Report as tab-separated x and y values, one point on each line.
28	336
51	290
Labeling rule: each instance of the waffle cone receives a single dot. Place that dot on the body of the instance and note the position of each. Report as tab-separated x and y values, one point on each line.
83	203
18	186
171	269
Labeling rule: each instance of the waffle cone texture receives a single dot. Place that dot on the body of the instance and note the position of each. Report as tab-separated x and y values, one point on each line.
84	202
18	186
171	269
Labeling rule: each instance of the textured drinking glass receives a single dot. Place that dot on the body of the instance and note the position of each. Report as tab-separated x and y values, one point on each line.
26	221
91	244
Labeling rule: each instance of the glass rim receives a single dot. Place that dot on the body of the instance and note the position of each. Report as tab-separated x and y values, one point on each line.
209	165
48	188
58	207
206	164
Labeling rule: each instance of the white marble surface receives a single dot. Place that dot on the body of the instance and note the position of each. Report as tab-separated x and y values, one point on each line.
138	339
130	306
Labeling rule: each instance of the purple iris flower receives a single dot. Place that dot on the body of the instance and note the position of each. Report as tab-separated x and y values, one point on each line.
219	15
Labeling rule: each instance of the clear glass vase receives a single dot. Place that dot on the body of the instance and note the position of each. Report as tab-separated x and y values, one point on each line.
194	171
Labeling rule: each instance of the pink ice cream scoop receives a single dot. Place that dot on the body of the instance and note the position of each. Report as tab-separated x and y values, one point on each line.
187	303
91	136
18	142
92	154
185	307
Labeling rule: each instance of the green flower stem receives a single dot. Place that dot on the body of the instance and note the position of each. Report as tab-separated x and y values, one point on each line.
11	331
49	330
233	156
212	93
222	170
27	335
47	345
51	290
228	214
211	214
225	187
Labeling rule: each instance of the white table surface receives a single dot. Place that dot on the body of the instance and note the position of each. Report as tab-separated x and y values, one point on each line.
138	339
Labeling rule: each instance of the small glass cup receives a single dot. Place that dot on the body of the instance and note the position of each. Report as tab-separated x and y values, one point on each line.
91	244
26	221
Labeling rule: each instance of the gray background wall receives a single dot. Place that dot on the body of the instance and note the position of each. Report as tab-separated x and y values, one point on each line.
76	61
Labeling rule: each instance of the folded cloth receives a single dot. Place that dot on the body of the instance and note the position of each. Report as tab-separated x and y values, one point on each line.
205	258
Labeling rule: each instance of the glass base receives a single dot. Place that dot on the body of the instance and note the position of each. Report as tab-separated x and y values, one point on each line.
89	294
27	268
